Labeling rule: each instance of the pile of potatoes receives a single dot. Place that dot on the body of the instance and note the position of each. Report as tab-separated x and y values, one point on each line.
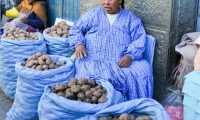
125	116
41	62
61	29
19	34
85	90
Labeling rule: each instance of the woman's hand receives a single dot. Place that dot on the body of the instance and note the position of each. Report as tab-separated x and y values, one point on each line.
80	51
125	61
24	20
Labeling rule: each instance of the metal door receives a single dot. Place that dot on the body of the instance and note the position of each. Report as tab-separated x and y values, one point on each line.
65	9
198	19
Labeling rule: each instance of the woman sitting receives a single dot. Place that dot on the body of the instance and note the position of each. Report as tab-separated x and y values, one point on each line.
32	18
109	42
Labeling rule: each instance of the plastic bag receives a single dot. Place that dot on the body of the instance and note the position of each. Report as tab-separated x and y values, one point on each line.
173	105
137	107
12	13
54	107
10	52
31	84
57	45
179	72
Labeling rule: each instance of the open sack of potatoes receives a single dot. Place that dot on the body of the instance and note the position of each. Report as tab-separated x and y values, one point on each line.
34	73
76	99
56	39
13	48
137	109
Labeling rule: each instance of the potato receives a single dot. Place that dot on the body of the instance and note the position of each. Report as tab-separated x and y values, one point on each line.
34	66
68	89
131	117
124	116
97	94
61	93
52	66
145	117
91	82
88	94
139	118
98	87
30	63
81	96
105	118
115	118
45	67
23	63
100	90
38	54
41	61
84	88
48	61
93	89
104	90
36	62
87	100
65	85
75	88
94	99
69	95
48	31
59	87
72	81
53	89
39	67
102	100
82	81
58	63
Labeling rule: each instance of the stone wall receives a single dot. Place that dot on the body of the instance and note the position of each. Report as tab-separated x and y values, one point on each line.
167	21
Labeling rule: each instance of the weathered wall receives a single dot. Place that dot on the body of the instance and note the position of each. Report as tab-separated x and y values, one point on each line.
167	21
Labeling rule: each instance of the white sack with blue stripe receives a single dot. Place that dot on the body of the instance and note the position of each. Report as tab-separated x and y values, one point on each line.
54	107
31	84
57	45
137	107
10	52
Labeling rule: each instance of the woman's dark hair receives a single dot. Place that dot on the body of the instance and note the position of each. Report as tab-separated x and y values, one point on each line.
122	4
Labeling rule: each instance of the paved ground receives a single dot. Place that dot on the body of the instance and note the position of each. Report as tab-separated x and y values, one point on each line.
5	105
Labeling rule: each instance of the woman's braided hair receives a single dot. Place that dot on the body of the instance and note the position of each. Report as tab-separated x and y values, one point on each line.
122	4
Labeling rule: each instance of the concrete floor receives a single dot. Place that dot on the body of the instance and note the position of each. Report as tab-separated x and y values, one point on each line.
5	105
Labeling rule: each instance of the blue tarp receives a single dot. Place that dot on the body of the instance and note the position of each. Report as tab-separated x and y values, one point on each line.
54	107
10	52
31	84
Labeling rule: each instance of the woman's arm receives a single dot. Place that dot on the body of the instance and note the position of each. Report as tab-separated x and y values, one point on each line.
138	35
79	29
36	22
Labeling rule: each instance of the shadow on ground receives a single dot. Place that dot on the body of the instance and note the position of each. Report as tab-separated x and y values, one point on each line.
5	105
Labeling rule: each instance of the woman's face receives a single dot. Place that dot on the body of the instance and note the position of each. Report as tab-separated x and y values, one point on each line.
30	1
111	6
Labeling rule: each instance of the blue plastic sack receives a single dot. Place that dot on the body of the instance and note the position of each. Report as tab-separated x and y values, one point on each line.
136	107
57	45
31	84
10	52
55	107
